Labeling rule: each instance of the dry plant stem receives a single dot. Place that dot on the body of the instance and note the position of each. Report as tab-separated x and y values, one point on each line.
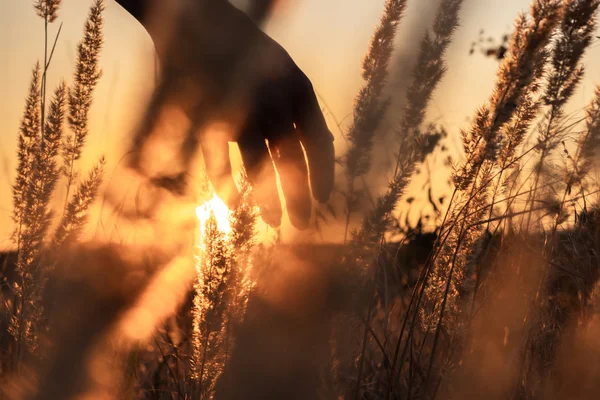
165	360
592	132
370	105
475	190
516	132
500	115
49	61
43	101
461	237
27	143
428	73
507	215
38	173
177	357
367	328
593	124
453	224
466	228
87	74
515	161
537	175
574	36
46	9
517	76
419	287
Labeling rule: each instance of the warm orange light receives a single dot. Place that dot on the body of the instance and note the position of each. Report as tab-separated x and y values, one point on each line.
220	210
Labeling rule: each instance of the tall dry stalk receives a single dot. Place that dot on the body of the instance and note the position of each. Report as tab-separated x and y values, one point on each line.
75	216
447	278
574	35
87	74
580	165
48	10
370	105
221	290
428	73
38	172
211	298
37	175
519	76
243	240
28	142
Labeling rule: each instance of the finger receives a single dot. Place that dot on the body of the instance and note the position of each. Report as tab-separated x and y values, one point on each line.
261	173
288	156
215	151
291	165
315	136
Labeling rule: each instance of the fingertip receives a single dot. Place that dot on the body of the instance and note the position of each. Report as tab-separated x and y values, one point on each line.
300	221
261	175
293	173
316	138
322	170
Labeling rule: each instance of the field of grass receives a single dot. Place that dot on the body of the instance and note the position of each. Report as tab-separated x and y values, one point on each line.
496	298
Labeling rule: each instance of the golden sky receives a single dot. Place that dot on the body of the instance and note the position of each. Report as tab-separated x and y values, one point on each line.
327	39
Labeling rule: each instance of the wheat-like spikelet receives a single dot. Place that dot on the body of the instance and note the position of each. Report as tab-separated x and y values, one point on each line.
44	175
28	142
518	77
37	175
550	311
76	211
430	68
36	222
242	239
370	104
574	36
211	299
587	145
48	9
457	258
513	135
520	73
427	74
221	291
575	33
87	74
46	171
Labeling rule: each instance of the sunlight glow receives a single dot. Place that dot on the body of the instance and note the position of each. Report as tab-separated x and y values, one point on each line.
220	210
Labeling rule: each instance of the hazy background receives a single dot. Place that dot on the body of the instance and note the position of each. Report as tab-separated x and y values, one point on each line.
327	38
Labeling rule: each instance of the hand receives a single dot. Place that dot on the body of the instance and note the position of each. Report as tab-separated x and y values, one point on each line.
224	80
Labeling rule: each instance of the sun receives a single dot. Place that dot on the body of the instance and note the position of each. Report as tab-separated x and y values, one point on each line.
219	209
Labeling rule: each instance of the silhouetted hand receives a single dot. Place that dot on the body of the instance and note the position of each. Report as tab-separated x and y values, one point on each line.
223	79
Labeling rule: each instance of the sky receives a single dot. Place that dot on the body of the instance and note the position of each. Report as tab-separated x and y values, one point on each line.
326	38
